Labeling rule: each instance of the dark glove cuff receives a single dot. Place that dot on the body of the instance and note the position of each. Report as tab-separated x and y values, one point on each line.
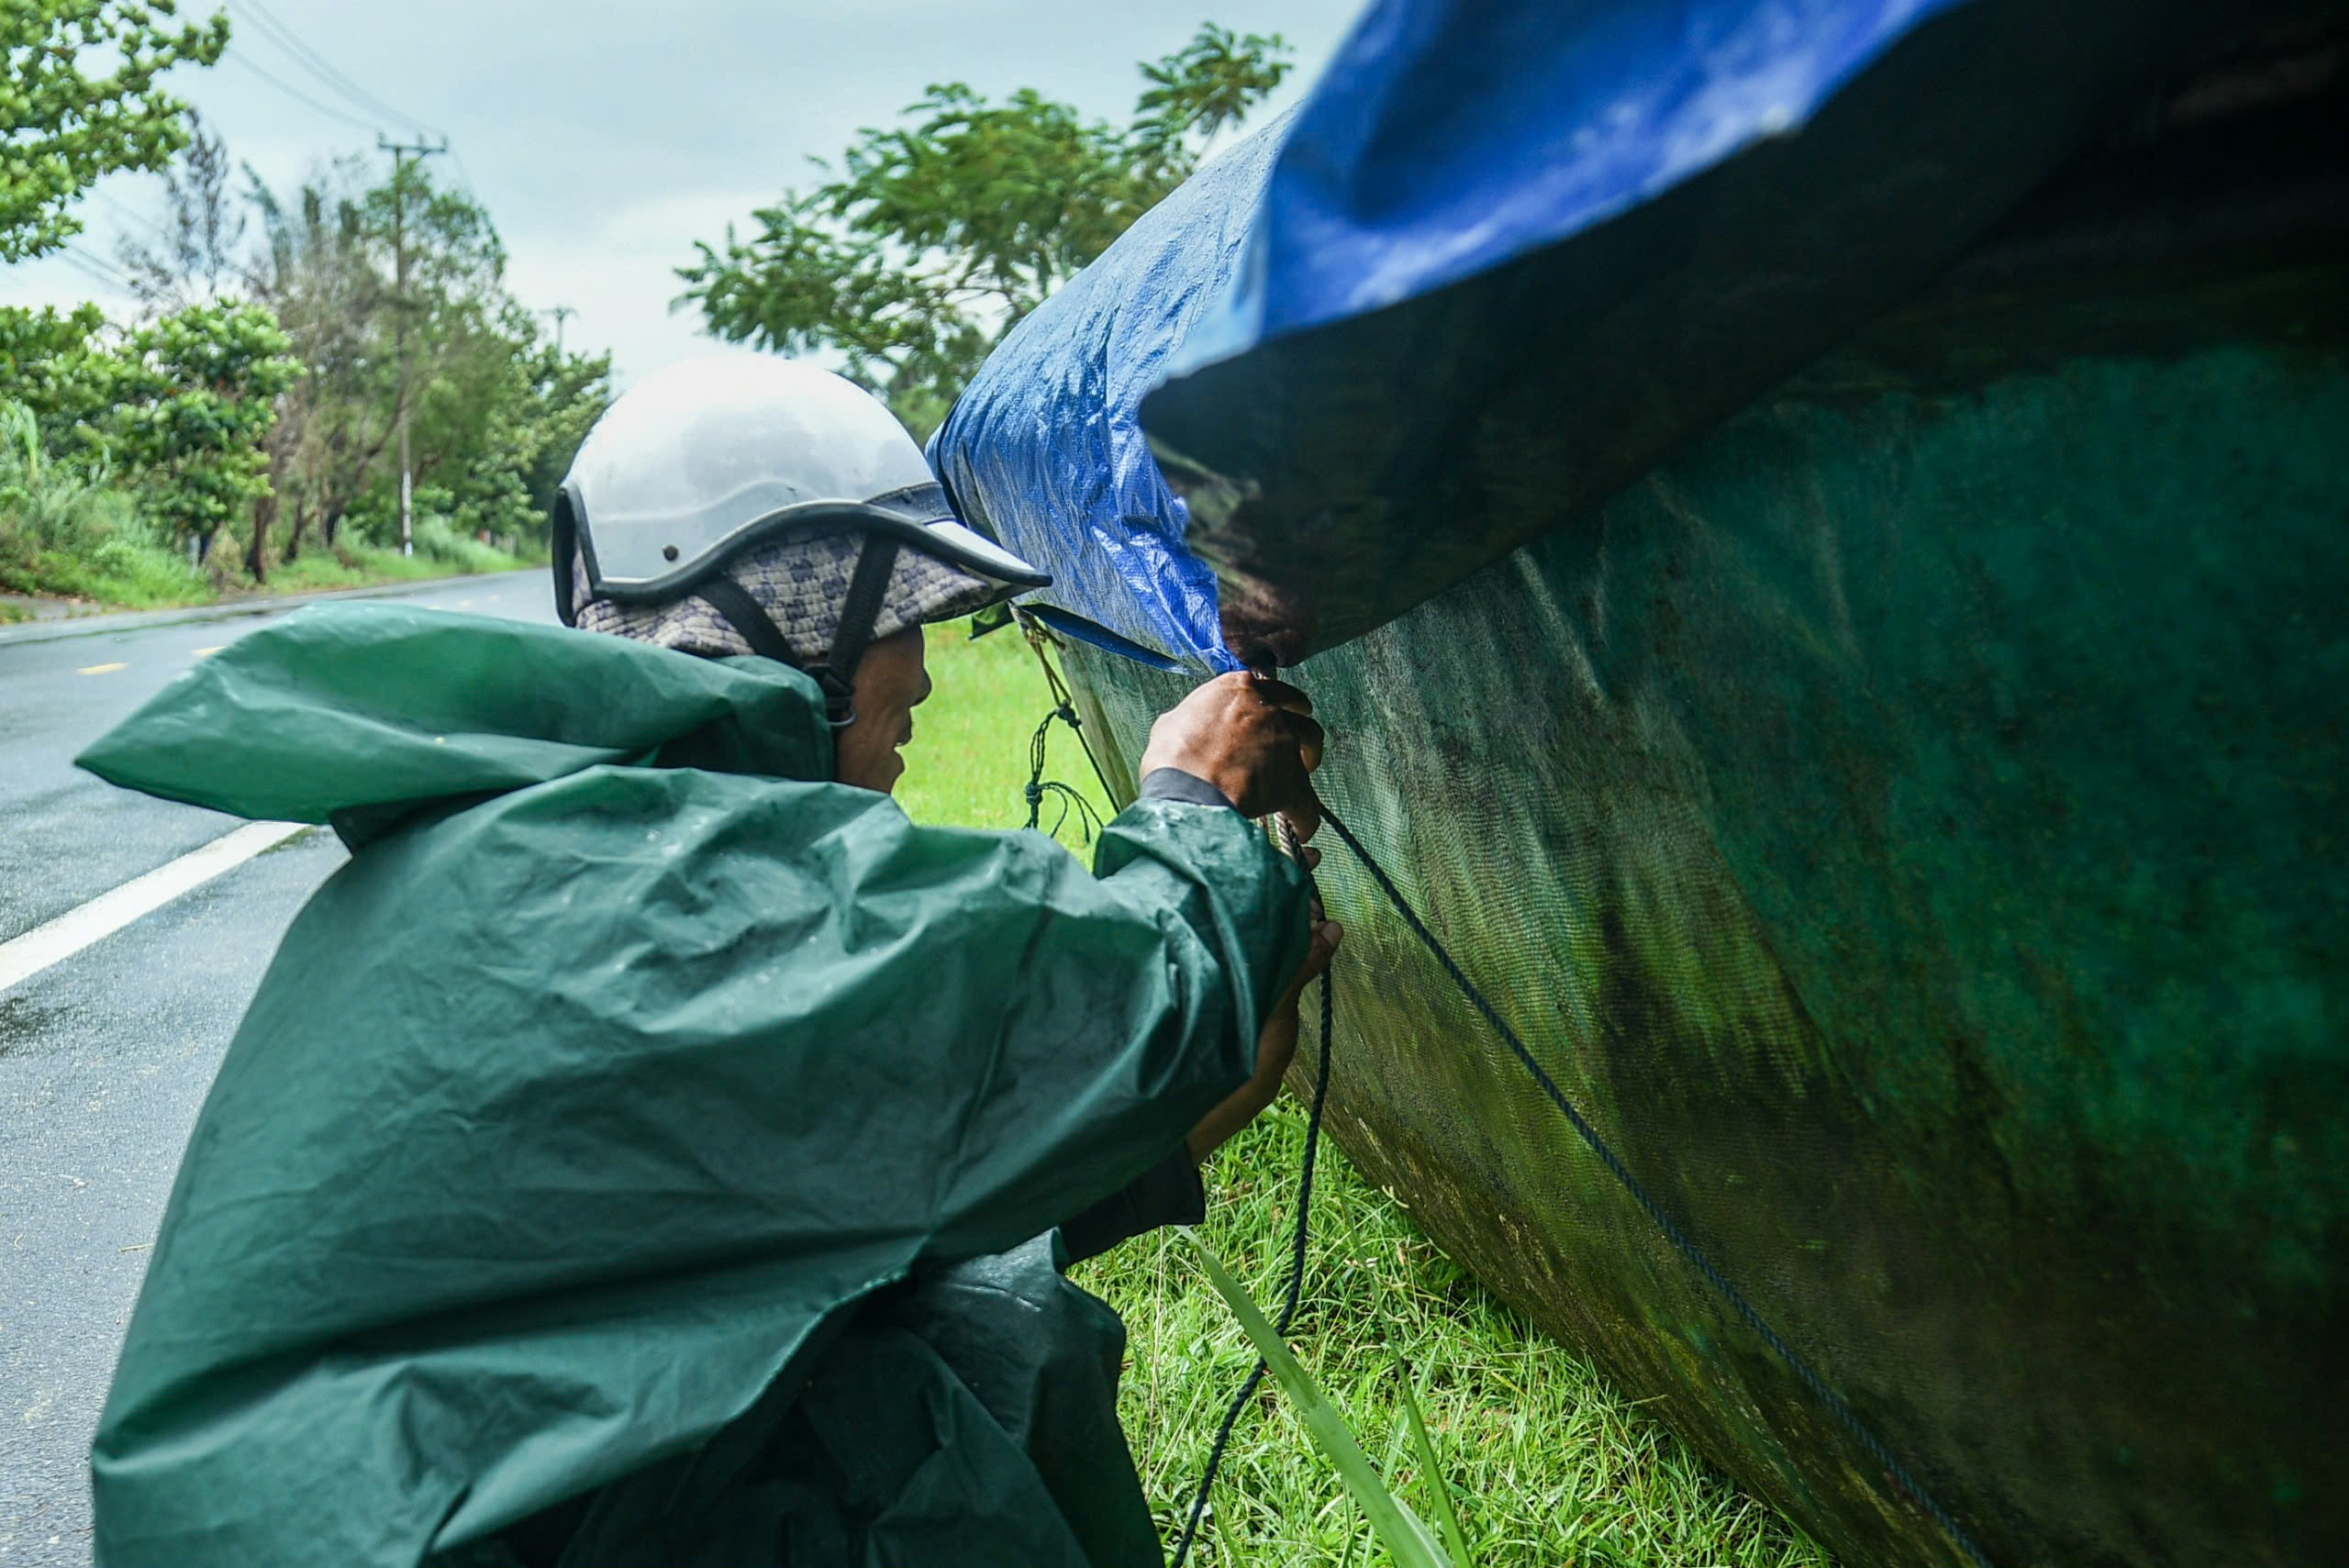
1174	783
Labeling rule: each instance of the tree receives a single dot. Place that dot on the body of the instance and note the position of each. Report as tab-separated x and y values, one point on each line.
265	385
502	480
934	239
194	259
316	270
325	267
61	129
195	395
54	364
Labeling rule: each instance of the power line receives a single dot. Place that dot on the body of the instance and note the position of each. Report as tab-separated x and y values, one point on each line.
92	259
92	266
268	25
125	209
92	274
323	68
319	66
293	92
464	175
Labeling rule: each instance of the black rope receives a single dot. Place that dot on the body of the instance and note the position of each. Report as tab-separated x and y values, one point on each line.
1089	820
1297	1253
1037	635
1063	709
1894	1470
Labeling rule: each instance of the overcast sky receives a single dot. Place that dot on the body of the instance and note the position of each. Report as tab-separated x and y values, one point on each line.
604	138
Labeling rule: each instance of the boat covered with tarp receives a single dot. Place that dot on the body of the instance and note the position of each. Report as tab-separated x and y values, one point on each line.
1821	530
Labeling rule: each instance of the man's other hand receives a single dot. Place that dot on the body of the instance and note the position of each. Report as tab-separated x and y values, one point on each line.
1275	1049
1253	737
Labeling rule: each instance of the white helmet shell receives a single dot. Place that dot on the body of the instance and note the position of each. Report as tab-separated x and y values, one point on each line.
699	459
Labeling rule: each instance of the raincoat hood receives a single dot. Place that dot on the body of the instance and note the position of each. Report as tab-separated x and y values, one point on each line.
620	1127
359	715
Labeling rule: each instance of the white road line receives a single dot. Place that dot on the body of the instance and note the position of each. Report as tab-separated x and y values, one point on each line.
100	669
23	957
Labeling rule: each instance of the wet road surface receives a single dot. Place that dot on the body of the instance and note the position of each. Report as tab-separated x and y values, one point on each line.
105	1056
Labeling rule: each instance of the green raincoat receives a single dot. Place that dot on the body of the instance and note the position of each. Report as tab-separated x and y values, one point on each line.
639	1112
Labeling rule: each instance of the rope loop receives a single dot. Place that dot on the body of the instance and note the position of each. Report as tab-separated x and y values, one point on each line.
1038	786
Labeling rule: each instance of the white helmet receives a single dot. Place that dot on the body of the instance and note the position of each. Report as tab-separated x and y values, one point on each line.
709	458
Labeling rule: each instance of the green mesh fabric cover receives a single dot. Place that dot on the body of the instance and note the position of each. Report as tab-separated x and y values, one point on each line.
1909	824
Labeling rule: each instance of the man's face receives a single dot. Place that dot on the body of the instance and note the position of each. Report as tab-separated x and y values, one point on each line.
890	684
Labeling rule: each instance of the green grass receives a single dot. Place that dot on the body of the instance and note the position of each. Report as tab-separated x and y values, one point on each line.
144	577
968	763
116	572
1550	1468
367	566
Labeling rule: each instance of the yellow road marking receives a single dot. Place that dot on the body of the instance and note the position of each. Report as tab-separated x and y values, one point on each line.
208	653
102	669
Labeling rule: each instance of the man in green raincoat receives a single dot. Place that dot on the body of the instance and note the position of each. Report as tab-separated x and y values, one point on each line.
651	1147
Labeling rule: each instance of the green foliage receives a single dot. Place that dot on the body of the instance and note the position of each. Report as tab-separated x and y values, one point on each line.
936	236
195	394
270	419
439	538
194	260
320	268
501	420
53	362
496	411
79	99
968	761
65	528
354	565
44	505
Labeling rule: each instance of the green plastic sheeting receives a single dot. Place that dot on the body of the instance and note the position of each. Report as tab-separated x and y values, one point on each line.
637	1107
1909	824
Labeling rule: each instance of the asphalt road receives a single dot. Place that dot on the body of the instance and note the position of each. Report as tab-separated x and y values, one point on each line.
106	1057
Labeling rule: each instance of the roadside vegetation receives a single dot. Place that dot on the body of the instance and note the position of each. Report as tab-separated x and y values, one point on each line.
237	429
1546	1465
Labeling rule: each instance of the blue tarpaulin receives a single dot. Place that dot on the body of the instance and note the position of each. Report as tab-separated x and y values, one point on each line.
1046	447
1448	139
1503	258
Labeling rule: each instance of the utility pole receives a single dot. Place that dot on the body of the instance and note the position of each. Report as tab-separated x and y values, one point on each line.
401	152
562	313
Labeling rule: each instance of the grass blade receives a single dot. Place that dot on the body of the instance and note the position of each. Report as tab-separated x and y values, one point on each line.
1406	1537
1455	1541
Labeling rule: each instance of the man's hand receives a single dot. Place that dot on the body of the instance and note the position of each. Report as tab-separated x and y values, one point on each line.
1253	738
1275	1047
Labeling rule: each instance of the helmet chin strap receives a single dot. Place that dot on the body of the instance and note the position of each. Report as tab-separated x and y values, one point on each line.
836	672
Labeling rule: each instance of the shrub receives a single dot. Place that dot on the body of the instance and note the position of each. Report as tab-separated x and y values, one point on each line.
437	537
65	528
